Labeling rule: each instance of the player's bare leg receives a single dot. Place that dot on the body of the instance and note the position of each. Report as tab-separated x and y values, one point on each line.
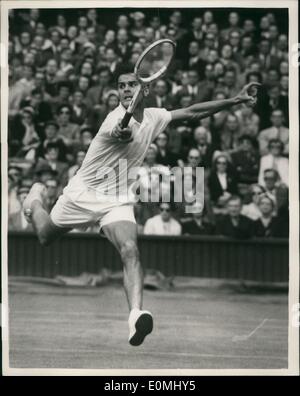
123	234
35	213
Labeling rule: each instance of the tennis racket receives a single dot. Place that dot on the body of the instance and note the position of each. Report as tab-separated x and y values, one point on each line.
151	65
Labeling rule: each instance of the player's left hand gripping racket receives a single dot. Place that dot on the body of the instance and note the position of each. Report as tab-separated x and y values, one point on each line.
151	65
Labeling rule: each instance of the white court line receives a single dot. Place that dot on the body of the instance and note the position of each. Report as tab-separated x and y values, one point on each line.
158	353
247	336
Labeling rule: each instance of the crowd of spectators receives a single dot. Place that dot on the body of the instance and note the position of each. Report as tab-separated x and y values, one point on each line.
62	85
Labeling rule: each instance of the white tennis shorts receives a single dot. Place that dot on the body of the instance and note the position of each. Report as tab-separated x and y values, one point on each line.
80	207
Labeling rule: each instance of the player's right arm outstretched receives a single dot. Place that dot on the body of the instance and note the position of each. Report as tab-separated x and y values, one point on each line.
248	95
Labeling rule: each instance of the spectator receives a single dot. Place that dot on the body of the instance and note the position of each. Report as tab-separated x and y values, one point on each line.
62	97
96	94
83	84
138	29
196	33
234	224
222	182
275	160
66	66
98	114
152	185
51	79
51	160
23	138
193	60
163	223
14	179
233	22
247	46
164	155
252	210
209	44
230	133
149	36
61	24
175	22
80	154
203	144
245	160
266	59
44	172
220	118
197	225
123	45
249	28
267	225
207	85
42	109
85	139
208	19
68	131
51	194
17	221
273	101
161	96
21	89
276	131
192	88
80	110
284	86
277	191
248	120
51	136
231	87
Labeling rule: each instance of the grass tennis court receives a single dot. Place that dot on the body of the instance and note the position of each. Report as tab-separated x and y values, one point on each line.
207	328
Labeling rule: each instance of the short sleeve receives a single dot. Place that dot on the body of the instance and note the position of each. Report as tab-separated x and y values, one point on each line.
160	118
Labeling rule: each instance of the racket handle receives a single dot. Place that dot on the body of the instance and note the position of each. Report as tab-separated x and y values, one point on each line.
126	119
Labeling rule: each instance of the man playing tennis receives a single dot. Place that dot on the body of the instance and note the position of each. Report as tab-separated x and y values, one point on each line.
90	198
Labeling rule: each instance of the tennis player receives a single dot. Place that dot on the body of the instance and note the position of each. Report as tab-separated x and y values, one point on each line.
90	197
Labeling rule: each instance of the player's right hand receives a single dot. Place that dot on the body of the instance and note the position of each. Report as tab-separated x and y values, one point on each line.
248	94
122	134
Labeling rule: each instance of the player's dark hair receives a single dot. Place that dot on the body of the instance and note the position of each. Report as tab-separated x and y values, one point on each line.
124	69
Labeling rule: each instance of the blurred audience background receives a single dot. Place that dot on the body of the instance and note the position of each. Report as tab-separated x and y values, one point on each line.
62	85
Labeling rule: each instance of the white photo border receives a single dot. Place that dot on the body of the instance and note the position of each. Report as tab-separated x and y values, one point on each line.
293	333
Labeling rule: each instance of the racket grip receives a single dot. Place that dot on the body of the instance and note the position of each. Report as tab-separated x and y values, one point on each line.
126	119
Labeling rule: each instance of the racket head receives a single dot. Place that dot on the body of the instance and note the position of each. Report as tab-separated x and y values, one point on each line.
154	60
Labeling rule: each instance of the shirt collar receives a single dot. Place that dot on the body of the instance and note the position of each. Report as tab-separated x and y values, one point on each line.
122	110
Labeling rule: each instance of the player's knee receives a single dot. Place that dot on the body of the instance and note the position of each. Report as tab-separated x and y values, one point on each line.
129	251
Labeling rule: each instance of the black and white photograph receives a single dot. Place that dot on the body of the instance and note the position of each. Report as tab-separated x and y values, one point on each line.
150	187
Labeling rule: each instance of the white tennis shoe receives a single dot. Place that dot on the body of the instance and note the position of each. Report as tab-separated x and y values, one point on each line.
140	325
37	193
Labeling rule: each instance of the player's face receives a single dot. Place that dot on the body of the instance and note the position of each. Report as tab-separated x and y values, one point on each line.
127	85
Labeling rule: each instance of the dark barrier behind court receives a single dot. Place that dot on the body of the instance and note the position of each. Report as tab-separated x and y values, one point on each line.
210	257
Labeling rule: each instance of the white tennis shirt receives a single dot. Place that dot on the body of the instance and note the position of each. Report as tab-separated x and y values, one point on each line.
101	168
